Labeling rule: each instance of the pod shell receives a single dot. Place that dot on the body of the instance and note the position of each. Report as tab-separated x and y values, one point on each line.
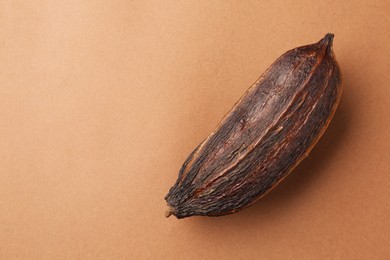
267	133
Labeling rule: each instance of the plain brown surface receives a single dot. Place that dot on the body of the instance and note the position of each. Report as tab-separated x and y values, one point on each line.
101	102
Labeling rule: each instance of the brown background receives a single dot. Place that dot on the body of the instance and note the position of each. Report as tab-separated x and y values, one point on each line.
101	102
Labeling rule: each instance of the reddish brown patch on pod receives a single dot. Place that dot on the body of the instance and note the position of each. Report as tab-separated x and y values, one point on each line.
267	133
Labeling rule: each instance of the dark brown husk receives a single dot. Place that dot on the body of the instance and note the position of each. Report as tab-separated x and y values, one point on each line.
267	133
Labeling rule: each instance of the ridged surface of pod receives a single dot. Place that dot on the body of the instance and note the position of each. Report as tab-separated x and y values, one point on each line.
268	132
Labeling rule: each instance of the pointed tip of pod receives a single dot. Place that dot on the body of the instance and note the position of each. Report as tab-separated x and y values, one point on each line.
168	212
327	41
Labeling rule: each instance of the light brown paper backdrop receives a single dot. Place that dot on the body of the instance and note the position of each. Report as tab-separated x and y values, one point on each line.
101	102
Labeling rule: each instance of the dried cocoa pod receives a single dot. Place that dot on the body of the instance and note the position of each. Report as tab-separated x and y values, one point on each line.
268	132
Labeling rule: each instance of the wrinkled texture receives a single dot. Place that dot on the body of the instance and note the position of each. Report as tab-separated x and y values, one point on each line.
266	134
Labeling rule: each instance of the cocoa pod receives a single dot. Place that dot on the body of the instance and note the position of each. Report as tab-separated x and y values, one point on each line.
268	132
